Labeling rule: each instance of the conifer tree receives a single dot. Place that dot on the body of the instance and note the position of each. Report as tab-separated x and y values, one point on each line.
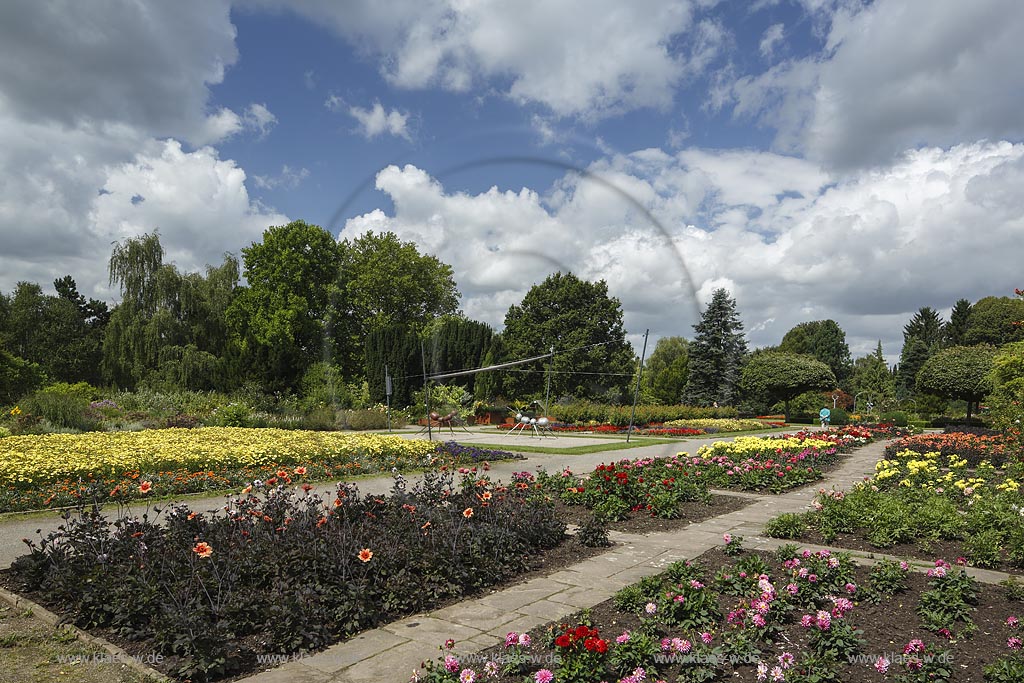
716	354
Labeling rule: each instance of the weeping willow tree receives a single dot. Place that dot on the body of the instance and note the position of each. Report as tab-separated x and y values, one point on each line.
169	328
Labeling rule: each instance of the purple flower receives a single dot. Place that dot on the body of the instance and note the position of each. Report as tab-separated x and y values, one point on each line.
543	676
882	665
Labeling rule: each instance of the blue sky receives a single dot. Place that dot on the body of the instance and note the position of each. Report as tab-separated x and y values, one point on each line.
819	158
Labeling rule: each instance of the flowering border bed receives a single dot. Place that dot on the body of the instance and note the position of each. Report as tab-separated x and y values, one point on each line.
179	461
281	570
791	616
926	499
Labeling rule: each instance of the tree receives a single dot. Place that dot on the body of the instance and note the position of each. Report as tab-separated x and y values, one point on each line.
871	377
455	343
779	376
992	321
922	337
383	281
954	332
397	347
1007	400
17	376
716	353
914	355
926	325
169	328
584	326
278	319
61	334
825	341
668	369
960	372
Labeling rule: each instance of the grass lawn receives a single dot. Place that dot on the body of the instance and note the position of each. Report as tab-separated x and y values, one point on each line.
32	650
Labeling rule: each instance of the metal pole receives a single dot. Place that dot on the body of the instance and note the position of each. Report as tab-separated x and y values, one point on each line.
387	392
547	392
426	390
636	391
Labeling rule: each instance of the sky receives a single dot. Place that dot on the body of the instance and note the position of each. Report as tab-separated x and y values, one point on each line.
820	159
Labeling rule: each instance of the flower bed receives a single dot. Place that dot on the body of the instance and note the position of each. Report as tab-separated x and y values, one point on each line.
790	616
613	491
972	447
659	485
672	428
764	464
280	570
924	500
57	470
713	426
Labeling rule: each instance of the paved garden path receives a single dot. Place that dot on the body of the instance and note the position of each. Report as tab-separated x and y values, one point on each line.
392	652
15	527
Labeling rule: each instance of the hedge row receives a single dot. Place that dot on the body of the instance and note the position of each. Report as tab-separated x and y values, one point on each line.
619	415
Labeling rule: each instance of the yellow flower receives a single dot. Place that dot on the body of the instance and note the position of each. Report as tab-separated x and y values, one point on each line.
15	411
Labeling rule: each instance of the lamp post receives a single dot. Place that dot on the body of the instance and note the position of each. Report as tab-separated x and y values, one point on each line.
855	402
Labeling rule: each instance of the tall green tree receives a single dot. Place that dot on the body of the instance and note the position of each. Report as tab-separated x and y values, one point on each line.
954	332
383	281
398	348
667	370
456	343
960	372
584	326
871	377
992	321
926	325
1007	399
775	376
169	328
61	334
278	319
17	376
716	353
922	337
825	340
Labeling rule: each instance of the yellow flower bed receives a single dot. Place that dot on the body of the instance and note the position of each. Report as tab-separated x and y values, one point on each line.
26	460
749	446
941	474
721	424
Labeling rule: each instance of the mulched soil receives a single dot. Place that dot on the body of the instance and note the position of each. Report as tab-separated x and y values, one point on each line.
922	550
887	627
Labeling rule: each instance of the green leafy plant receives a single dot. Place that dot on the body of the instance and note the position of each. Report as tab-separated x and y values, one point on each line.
1014	588
1006	669
593	533
887	578
984	549
786	525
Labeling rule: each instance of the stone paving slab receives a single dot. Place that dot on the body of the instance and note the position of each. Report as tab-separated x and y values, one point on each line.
430	630
337	657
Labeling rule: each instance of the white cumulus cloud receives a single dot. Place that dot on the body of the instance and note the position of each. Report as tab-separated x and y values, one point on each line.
377	120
